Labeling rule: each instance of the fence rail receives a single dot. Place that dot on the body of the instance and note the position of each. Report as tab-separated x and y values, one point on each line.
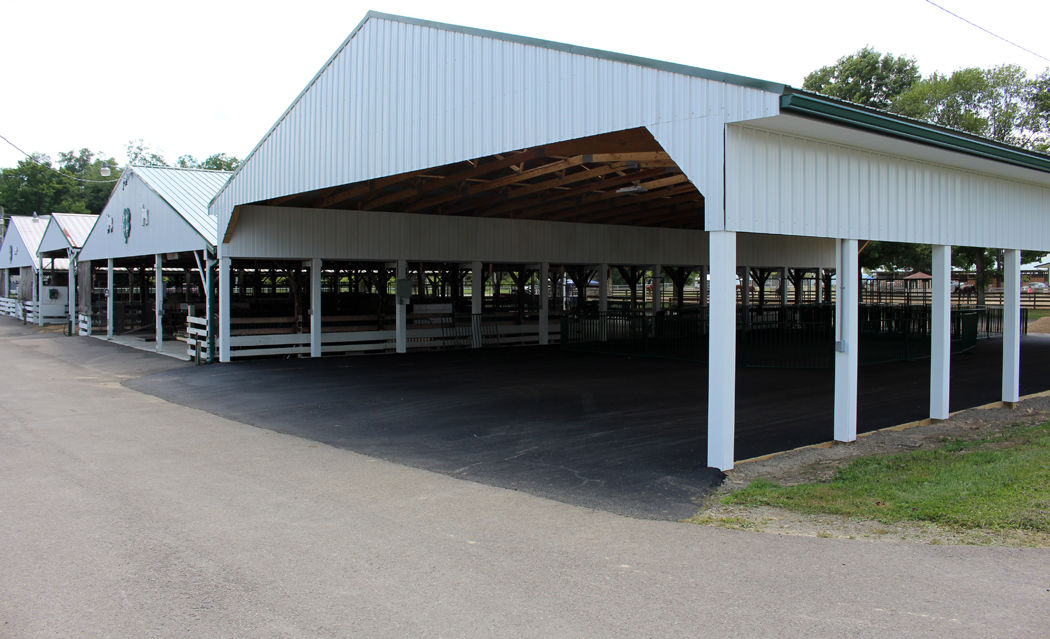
83	324
262	337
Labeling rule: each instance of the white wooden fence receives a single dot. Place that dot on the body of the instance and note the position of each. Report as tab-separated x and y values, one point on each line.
197	338
425	331
25	311
83	324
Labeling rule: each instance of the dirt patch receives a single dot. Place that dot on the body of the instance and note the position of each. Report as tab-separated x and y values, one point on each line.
819	463
1041	325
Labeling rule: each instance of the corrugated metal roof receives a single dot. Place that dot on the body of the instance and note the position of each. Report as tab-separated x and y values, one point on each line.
188	191
31	229
75	226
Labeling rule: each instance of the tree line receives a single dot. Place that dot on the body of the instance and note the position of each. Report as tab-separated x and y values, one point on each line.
76	182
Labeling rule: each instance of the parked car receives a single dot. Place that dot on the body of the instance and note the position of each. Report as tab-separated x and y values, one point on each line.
1034	287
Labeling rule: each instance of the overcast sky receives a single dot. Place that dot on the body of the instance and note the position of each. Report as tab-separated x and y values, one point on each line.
192	77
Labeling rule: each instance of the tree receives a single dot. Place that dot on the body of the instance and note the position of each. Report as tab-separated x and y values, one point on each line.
140	153
1000	103
75	185
866	77
215	162
35	186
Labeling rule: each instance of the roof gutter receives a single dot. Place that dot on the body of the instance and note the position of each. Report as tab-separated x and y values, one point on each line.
825	109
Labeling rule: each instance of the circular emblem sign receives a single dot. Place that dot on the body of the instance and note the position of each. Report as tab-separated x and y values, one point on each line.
127	224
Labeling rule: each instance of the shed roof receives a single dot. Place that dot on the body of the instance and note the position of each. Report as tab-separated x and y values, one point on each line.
188	191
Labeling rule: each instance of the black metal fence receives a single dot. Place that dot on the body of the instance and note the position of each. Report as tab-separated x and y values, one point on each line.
779	337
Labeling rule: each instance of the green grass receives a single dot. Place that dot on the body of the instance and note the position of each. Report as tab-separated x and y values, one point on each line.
999	483
1034	314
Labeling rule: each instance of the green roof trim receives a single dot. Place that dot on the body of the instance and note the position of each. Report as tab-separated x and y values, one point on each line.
672	67
818	106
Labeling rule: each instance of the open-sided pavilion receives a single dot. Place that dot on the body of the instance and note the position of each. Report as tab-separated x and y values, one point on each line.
155	230
445	150
63	238
19	264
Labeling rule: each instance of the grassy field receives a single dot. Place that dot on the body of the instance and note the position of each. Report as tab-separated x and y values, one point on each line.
997	483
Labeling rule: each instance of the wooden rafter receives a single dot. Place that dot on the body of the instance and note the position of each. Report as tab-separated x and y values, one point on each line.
556	200
452	180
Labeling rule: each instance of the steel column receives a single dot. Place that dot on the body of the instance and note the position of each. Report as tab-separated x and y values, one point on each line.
721	378
224	309
545	282
315	307
846	335
603	302
158	285
401	309
477	295
1012	326
941	331
110	328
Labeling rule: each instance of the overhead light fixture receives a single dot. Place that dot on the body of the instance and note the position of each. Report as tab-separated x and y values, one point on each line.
633	188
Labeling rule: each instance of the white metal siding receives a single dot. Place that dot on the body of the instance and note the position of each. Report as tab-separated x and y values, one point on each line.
289	233
167	231
401	97
792	185
13	251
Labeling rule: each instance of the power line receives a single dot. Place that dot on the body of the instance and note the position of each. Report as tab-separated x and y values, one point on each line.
994	35
47	166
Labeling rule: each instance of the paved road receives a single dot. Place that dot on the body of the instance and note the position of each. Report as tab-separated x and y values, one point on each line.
124	515
625	435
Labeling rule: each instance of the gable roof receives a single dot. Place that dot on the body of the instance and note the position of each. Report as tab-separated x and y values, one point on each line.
188	191
658	65
66	230
26	231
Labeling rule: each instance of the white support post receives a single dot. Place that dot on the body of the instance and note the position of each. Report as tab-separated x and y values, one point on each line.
315	307
158	286
603	302
7	277
721	370
110	328
401	309
209	311
846	337
941	331
703	286
545	282
658	288
72	293
477	294
745	294
783	287
224	309
1012	326
38	294
819	282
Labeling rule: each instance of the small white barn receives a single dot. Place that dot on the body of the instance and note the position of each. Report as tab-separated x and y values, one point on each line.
155	225
63	237
19	267
427	143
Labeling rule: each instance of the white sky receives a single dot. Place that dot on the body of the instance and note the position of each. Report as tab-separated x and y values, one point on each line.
203	77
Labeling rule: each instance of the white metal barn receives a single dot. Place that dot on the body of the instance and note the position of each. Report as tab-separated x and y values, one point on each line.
20	264
63	238
156	223
426	142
